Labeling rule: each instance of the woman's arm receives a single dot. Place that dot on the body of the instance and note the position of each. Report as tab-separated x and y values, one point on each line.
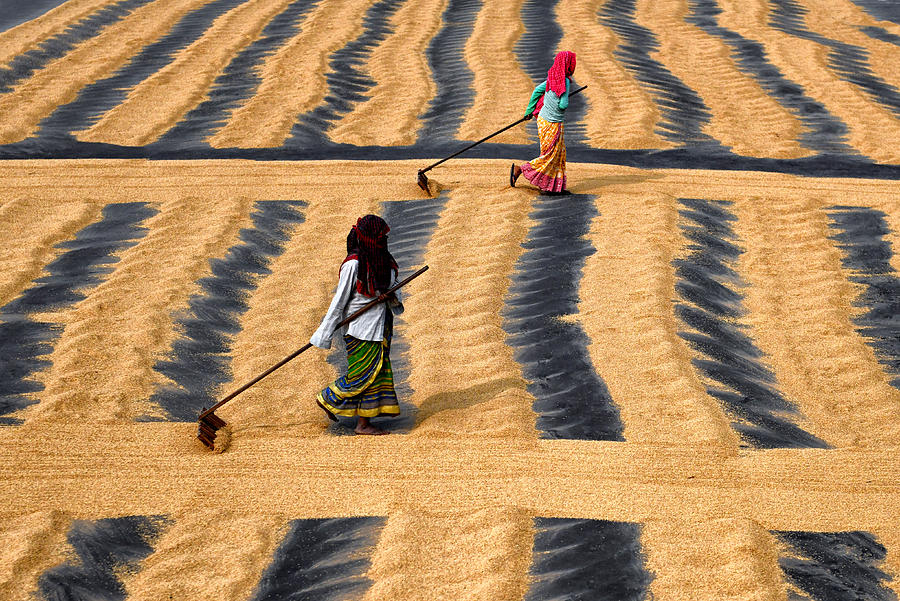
346	284
535	96
564	101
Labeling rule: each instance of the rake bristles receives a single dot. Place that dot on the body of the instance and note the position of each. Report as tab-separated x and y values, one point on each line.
223	440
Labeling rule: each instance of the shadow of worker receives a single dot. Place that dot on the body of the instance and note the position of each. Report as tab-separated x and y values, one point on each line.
459	400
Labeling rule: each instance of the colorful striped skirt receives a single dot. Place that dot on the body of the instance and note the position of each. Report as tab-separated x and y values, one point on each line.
548	171
368	388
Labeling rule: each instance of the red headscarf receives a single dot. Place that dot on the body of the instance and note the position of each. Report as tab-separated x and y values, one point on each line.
563	67
367	242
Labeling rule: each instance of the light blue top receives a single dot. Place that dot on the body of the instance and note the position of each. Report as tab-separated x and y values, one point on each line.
554	109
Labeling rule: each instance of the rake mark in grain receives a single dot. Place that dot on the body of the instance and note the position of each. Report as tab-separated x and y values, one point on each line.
325	559
823	132
24	340
849	61
587	560
879	33
238	81
105	549
537	46
22	66
884	11
834	566
712	308
571	399
199	361
412	224
95	99
451	73
683	110
867	255
347	80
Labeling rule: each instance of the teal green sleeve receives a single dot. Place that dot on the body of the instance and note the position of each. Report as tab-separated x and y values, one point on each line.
535	96
564	101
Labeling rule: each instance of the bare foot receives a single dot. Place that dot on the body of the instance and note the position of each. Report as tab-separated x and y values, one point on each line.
370	430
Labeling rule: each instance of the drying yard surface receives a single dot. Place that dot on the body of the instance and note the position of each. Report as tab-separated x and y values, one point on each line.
681	382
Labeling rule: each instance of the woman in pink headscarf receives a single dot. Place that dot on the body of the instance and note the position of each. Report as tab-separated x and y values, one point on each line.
548	103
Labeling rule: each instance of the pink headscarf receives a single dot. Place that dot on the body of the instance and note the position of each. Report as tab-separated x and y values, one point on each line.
563	67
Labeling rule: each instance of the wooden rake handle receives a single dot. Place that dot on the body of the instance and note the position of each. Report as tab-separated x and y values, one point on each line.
486	138
379	299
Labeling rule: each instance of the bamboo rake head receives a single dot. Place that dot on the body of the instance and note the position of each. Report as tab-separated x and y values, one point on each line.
423	182
208	425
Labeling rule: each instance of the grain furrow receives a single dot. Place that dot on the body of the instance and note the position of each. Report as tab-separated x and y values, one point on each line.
21	38
23	65
756	125
101	96
102	367
684	115
59	82
732	559
720	331
404	81
626	310
207	554
237	81
806	62
467	382
33	321
501	86
866	257
293	79
620	113
31	544
809	338
32	229
451	73
424	555
162	99
199	360
847	22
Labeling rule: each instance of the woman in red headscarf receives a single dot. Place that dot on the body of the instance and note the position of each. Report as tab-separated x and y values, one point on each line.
367	390
548	103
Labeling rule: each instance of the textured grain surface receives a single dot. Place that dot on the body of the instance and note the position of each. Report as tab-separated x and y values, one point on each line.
467	499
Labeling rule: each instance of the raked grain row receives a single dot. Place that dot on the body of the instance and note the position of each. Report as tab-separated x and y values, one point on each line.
464	495
800	72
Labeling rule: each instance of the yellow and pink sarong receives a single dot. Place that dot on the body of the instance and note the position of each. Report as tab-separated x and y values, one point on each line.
548	171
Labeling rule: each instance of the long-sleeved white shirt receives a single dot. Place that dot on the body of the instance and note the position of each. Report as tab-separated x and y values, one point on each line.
368	326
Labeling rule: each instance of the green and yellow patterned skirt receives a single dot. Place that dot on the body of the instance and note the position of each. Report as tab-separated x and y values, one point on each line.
368	388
